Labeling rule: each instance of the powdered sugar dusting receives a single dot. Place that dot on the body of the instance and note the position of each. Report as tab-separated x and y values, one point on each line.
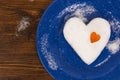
44	44
114	46
79	10
115	25
24	23
103	61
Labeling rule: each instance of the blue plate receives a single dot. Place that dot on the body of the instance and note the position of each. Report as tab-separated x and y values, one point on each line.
57	56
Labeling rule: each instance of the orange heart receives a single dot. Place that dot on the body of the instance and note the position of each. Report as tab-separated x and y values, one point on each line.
94	37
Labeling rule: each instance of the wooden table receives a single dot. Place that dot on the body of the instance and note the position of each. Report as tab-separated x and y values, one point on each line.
18	55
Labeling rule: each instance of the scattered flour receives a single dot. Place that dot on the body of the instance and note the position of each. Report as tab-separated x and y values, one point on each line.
24	23
103	61
114	46
51	62
80	11
115	25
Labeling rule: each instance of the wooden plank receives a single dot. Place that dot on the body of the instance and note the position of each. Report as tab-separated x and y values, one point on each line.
18	55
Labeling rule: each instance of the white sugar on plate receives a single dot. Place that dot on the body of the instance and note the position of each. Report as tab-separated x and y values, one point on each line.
79	10
109	56
114	46
44	44
115	26
80	13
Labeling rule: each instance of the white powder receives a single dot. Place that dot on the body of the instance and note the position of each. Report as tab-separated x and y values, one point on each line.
24	23
51	62
115	25
103	61
80	11
114	46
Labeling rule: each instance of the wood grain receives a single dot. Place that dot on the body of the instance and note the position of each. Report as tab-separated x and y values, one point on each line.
18	55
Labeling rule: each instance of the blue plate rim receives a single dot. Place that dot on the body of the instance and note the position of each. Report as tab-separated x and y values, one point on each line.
37	36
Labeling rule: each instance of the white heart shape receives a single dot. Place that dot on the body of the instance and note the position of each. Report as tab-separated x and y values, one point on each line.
78	34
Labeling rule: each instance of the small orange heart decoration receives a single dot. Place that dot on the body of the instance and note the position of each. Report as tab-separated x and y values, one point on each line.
94	37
